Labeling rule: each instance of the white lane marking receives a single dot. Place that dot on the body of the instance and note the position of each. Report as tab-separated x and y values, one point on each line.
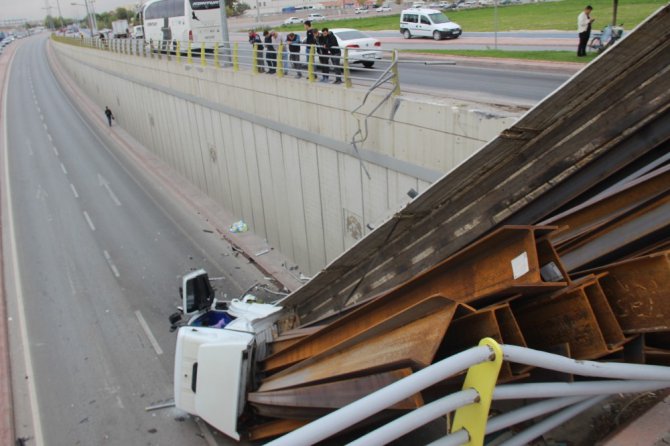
110	263
104	183
62	167
39	110
150	335
30	373
41	116
54	149
74	191
89	221
50	138
45	127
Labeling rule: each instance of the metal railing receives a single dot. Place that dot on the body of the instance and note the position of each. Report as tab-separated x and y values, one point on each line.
367	67
471	405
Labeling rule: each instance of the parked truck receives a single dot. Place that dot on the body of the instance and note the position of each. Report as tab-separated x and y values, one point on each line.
120	29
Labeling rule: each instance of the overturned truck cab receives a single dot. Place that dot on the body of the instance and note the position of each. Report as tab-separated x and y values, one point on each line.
214	356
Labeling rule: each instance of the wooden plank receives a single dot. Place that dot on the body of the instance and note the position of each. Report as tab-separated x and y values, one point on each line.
411	336
302	402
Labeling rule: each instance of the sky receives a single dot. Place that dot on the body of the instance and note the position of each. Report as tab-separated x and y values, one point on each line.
34	9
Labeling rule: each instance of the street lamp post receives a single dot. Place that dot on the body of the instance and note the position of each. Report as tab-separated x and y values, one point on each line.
88	15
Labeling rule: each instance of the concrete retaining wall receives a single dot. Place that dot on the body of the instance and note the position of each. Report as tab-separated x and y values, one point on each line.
276	152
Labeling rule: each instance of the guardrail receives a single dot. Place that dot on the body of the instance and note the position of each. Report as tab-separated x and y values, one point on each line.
367	67
471	405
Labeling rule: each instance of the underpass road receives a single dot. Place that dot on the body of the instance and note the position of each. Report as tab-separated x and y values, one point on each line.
97	263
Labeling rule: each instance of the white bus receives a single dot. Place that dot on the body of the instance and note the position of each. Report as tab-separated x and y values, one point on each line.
182	20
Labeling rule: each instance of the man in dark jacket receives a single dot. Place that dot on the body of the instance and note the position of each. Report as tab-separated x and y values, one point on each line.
324	56
109	115
293	41
270	52
333	50
255	39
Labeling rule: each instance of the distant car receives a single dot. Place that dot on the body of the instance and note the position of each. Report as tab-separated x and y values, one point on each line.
384	8
293	21
427	23
361	11
314	17
361	48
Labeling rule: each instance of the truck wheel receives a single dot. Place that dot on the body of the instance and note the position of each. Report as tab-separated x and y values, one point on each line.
406	34
437	35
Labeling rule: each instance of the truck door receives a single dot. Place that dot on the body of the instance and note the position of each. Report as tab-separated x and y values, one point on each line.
197	292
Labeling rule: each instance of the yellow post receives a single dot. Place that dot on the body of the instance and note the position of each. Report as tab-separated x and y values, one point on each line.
236	62
203	62
168	50
396	78
481	377
151	49
280	62
216	56
345	68
160	49
310	64
254	59
178	53
189	54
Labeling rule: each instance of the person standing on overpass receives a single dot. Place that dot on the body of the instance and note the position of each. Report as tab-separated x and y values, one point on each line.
584	21
109	115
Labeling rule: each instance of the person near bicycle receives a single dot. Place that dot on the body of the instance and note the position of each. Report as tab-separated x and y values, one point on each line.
584	21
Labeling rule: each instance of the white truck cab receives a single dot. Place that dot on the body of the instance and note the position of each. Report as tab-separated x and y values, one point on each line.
215	350
421	22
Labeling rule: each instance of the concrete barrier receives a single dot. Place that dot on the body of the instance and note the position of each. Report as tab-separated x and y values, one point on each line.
277	152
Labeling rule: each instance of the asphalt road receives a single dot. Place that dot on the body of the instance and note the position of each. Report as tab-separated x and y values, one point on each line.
96	254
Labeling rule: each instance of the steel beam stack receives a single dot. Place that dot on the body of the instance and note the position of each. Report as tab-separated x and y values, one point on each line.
556	235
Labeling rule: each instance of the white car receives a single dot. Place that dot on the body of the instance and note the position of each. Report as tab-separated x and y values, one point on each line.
316	17
293	21
361	48
361	11
384	8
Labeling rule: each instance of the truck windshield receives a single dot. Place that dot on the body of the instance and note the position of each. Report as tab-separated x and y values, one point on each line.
438	18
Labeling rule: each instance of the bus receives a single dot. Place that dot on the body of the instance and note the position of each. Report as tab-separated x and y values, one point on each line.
170	21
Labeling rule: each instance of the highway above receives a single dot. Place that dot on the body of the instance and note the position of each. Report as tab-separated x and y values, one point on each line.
93	252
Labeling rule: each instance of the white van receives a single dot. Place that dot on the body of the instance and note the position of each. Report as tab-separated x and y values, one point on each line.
422	22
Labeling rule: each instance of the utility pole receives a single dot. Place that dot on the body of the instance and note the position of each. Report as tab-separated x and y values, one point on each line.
224	31
60	15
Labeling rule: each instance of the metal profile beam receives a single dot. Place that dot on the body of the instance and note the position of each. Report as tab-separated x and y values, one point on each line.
568	133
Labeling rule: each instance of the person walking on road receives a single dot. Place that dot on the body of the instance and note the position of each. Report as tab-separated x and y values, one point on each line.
109	115
584	21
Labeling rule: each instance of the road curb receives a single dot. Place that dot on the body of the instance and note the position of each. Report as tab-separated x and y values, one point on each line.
7	435
509	64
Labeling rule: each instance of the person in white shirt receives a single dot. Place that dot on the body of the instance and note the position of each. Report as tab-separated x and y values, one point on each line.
584	21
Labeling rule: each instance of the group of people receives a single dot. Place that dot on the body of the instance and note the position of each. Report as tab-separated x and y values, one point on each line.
324	42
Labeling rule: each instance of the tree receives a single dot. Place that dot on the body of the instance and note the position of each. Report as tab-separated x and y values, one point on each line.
122	13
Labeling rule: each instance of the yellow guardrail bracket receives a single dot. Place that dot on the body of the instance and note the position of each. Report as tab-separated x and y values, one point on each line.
481	377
